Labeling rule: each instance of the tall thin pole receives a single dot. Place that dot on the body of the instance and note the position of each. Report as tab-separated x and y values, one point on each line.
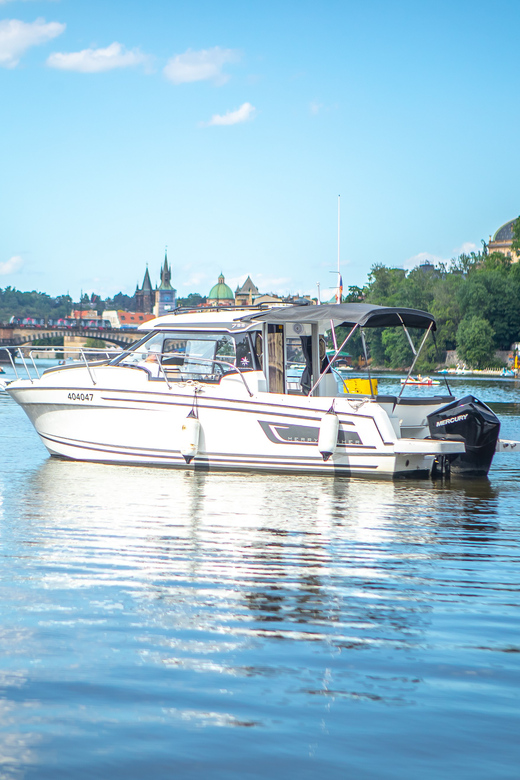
338	294
339	222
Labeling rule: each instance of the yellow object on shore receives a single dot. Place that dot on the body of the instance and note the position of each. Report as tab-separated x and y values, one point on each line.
360	386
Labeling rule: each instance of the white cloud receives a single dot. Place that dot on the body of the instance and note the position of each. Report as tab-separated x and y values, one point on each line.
315	107
16	37
204	65
242	114
423	257
466	248
197	279
11	266
97	60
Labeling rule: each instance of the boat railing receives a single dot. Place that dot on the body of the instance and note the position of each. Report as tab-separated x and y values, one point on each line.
27	354
84	353
195	359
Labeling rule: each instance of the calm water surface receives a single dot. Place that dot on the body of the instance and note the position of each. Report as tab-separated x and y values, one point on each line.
164	624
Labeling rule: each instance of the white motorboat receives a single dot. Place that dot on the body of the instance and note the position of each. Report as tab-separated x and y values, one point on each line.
210	390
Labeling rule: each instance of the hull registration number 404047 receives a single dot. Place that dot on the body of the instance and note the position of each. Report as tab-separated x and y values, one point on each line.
80	396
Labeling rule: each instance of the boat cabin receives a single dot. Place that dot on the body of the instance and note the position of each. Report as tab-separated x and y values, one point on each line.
280	350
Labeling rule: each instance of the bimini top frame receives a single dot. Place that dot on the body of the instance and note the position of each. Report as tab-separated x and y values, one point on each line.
354	316
366	315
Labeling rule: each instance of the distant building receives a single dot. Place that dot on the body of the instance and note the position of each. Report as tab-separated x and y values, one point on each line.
246	294
503	240
220	294
126	320
144	296
85	314
267	298
429	268
156	301
165	294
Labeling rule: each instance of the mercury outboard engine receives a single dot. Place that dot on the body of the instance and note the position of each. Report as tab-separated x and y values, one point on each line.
471	421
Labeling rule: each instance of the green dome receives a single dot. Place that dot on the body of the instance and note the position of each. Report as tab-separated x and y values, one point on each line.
221	291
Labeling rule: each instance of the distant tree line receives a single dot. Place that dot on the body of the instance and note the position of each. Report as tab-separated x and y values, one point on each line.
475	300
13	302
32	304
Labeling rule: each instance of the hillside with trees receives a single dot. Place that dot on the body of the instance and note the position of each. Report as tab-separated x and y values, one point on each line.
475	300
13	302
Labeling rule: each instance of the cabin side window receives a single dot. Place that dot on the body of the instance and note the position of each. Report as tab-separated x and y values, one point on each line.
245	358
191	354
202	356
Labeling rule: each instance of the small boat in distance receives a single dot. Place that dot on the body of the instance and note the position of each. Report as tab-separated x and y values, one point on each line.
224	389
420	380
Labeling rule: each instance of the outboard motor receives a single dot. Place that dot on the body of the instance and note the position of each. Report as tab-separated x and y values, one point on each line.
471	421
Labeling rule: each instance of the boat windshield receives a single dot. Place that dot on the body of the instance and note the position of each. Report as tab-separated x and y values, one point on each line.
194	355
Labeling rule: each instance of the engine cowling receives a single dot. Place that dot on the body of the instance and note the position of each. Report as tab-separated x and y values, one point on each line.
471	421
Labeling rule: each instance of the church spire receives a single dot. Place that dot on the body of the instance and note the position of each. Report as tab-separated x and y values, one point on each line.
147	284
166	274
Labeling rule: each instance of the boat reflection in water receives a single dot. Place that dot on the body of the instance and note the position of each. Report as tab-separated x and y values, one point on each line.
154	605
242	534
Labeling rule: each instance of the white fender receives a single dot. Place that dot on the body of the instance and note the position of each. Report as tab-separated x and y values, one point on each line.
328	436
190	433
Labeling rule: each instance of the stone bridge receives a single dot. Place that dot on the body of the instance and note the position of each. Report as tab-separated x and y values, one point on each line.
16	336
72	338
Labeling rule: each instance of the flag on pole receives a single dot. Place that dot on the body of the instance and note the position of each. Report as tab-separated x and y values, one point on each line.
339	294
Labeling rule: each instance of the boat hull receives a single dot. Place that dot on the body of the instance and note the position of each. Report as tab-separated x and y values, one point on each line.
266	432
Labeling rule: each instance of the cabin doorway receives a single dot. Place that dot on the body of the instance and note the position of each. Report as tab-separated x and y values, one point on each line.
275	357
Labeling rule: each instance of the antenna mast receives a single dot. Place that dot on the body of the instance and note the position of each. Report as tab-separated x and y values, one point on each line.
339	222
340	282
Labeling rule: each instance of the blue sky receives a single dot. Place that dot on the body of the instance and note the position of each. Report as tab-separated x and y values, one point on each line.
226	130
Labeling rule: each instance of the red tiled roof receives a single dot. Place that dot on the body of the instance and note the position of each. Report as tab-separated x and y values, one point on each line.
126	317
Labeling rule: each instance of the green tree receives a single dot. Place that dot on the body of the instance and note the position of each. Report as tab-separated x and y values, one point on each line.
385	284
94	343
492	293
516	236
475	342
397	350
193	299
354	295
446	309
466	263
14	303
50	341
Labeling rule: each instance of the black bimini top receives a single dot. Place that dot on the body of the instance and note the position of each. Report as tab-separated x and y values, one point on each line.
367	315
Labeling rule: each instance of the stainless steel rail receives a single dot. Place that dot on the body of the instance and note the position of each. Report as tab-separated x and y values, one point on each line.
211	361
83	354
29	352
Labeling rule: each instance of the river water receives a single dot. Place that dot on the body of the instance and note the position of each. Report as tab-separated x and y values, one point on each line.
164	624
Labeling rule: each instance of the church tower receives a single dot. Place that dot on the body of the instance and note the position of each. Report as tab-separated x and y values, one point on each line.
144	297
165	293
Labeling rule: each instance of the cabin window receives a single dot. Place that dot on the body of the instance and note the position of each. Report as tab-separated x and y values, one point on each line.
139	352
191	354
259	348
226	351
245	358
204	356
